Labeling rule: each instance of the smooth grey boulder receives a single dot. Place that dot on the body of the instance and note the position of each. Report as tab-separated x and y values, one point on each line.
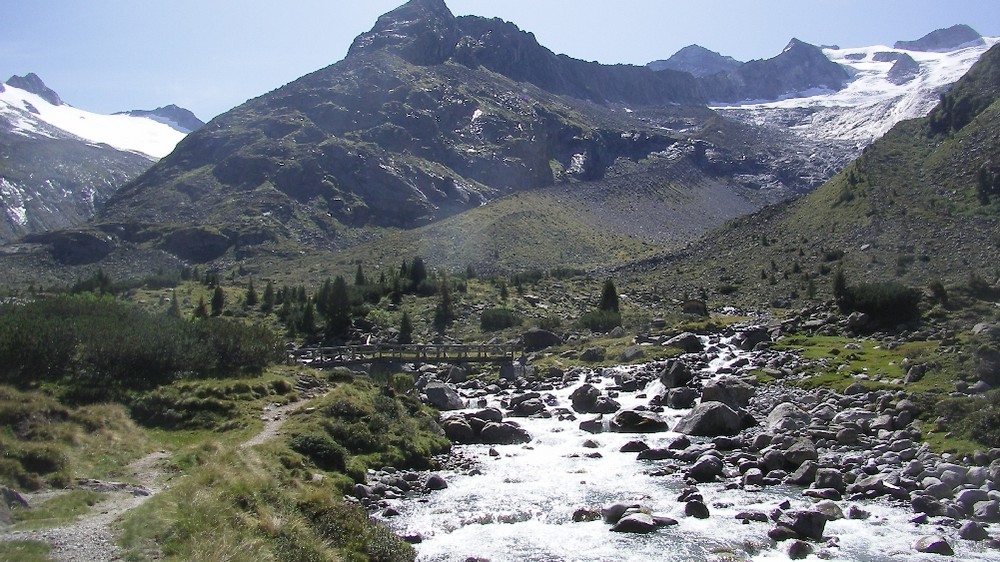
443	397
710	419
635	523
503	434
933	545
536	339
706	468
635	421
731	391
675	374
686	342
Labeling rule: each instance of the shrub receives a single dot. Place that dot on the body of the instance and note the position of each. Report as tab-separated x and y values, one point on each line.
494	319
886	302
601	320
323	451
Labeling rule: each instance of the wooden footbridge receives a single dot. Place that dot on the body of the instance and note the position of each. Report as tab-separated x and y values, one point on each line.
349	355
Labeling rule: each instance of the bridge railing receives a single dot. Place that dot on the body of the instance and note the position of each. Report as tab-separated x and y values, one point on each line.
402	353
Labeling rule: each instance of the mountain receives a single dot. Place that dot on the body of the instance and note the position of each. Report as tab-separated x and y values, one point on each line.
886	86
178	118
697	61
940	40
434	127
59	164
920	205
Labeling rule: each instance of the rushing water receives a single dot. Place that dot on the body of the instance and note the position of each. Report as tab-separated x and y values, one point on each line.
521	505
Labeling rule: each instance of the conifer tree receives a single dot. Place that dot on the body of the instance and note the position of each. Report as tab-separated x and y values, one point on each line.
338	316
359	276
418	272
308	323
267	301
175	309
444	313
251	298
609	297
405	329
201	311
218	301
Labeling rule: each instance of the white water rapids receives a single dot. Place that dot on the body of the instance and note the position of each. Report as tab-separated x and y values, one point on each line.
521	505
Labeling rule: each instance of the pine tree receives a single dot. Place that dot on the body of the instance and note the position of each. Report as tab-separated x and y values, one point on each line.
218	301
338	316
405	329
359	276
308	324
175	308
267	301
251	298
201	311
609	297
444	313
418	272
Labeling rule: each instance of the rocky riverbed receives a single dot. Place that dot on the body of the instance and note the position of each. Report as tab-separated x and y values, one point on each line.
687	459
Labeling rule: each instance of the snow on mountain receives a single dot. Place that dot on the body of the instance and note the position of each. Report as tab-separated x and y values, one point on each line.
31	115
873	101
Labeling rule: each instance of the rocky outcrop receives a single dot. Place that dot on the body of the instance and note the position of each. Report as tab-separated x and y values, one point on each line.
698	61
179	118
30	82
948	39
903	69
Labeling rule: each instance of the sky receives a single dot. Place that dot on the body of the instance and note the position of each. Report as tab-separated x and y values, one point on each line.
212	55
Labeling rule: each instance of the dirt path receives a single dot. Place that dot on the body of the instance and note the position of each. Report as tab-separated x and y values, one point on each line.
91	538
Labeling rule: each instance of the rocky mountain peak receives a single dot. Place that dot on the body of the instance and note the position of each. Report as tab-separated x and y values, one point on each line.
423	32
30	82
698	61
940	40
180	119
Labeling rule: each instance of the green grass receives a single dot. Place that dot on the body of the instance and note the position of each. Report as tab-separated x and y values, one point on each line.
58	510
25	551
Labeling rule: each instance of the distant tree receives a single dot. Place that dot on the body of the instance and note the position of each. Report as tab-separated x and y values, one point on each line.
175	308
444	313
218	301
504	293
418	272
840	292
308	323
201	311
470	272
609	297
405	329
251	297
267	301
359	276
338	315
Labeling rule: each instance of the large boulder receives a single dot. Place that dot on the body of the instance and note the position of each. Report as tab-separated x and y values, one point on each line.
686	342
503	434
536	339
788	416
635	523
675	374
731	391
587	399
706	468
749	339
458	430
933	545
680	398
807	524
634	421
710	419
443	397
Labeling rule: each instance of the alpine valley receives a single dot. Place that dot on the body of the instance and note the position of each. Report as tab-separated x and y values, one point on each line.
458	297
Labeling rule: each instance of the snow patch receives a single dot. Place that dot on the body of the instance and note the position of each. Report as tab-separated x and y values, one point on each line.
13	200
123	132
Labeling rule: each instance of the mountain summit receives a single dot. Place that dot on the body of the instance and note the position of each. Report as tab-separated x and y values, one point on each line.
30	82
697	61
949	39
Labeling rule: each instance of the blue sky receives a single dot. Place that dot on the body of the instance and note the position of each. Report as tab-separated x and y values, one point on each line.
211	55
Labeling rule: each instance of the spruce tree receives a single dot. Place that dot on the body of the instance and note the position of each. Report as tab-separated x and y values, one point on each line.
609	297
418	272
405	329
267	301
338	316
251	298
308	324
175	309
218	301
201	311
359	276
444	313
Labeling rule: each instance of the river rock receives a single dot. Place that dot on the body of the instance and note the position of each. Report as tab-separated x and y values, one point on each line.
536	339
435	482
458	430
529	407
443	396
488	415
595	425
675	374
706	468
973	531
804	475
696	509
587	399
787	416
800	451
633	447
933	545
750	338
710	419
731	391
680	398
831	478
686	342
807	524
635	523
799	550
634	421
830	509
584	514
631	354
503	434
614	512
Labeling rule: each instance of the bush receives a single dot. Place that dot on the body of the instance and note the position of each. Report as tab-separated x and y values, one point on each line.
323	451
601	320
886	302
494	319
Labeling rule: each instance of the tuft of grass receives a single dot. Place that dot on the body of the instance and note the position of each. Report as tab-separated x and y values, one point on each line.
55	511
25	551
